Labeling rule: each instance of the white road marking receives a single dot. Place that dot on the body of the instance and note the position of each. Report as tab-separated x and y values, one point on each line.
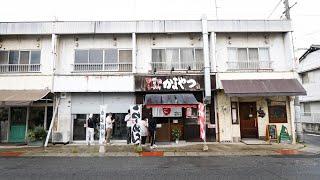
313	134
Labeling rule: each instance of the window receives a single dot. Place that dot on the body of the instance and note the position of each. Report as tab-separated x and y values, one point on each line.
177	58
4	55
111	56
125	56
14	57
306	109
234	113
24	57
305	78
277	112
95	56
81	56
35	57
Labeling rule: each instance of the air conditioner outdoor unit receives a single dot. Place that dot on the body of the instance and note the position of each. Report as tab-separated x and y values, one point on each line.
60	137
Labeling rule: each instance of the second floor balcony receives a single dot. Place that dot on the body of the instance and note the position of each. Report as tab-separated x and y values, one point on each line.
249	65
19	68
102	67
176	66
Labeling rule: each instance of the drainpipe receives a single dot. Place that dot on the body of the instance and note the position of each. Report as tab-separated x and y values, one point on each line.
134	53
207	80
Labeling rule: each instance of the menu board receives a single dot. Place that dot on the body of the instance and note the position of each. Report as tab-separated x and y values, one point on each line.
272	132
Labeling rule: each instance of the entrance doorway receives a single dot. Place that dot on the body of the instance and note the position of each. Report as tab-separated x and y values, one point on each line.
248	120
18	124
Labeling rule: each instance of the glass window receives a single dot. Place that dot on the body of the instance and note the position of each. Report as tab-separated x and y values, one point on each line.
35	57
232	54
36	117
81	56
24	57
111	56
264	54
199	55
186	55
306	109
234	113
14	57
277	113
305	78
253	54
125	56
172	55
158	55
4	57
95	56
242	54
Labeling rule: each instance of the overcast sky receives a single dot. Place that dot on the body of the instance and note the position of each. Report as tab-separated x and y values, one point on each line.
305	14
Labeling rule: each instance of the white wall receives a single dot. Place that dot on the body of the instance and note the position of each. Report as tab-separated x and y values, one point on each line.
67	45
147	42
310	62
24	81
275	43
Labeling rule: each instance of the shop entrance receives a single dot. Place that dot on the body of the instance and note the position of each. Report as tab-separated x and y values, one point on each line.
248	120
18	124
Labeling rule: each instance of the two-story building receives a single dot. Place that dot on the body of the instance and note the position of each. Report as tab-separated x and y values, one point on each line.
309	71
242	70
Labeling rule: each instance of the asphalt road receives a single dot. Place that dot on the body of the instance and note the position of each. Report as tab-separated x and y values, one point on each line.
312	139
230	167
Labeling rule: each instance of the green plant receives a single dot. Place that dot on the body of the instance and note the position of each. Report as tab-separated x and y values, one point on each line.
138	149
176	133
37	134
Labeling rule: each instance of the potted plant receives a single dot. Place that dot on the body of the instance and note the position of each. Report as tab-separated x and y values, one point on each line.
37	136
176	133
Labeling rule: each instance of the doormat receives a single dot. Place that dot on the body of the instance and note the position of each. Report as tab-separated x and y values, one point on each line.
288	151
152	154
10	154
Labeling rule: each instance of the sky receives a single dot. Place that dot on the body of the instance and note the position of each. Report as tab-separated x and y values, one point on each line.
304	14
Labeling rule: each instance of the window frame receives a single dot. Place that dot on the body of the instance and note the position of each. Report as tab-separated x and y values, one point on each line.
274	120
179	52
247	50
237	112
19	58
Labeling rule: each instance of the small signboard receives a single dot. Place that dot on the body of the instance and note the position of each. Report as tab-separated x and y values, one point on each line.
167	112
271	132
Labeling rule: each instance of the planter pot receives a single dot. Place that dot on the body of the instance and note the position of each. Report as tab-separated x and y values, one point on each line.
177	141
35	143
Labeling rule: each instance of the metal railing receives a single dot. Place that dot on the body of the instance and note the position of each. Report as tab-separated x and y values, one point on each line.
310	117
100	67
14	68
249	65
194	65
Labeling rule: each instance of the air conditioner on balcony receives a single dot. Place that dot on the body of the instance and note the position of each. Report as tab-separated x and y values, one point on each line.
60	137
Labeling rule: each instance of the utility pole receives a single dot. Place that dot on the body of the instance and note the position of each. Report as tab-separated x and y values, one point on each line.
287	9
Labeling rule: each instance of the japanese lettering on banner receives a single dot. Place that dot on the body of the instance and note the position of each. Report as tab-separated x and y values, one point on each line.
102	131
174	83
136	114
202	121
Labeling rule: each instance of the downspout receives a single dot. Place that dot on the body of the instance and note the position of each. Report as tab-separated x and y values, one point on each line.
134	53
207	80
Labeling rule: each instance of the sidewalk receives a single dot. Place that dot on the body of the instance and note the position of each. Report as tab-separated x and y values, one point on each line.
184	149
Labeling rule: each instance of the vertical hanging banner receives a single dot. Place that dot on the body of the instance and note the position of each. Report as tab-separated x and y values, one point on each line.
202	121
102	130
136	114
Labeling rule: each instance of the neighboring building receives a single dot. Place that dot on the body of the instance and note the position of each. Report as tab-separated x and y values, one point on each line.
309	71
240	69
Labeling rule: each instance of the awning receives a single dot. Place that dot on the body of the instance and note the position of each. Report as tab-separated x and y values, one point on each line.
170	100
22	95
263	87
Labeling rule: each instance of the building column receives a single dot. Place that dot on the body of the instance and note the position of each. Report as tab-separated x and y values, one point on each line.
292	119
207	80
45	116
134	53
27	122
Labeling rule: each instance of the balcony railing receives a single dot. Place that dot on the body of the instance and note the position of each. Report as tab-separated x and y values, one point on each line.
249	65
18	68
198	66
100	67
310	117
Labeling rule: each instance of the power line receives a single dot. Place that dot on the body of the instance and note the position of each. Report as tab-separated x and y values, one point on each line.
274	9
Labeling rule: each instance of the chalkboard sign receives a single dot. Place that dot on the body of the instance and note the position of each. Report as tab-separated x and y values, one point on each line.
271	132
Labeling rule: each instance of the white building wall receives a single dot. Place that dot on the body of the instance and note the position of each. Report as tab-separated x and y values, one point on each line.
147	42
24	81
274	42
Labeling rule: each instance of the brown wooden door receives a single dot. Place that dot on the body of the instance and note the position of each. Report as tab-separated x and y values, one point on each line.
248	120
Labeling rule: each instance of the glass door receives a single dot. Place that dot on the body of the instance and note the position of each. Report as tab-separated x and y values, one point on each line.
18	124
